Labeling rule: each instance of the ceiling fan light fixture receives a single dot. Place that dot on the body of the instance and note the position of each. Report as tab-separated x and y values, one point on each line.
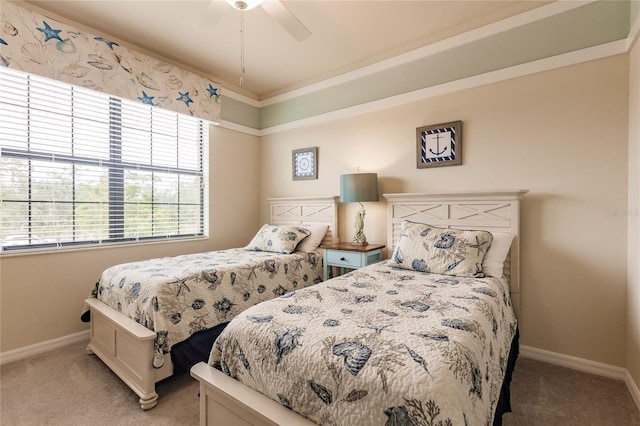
244	4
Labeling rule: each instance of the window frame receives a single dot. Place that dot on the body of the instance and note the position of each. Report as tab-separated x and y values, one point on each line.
116	170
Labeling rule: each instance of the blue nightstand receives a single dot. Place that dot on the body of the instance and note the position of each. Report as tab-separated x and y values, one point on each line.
350	256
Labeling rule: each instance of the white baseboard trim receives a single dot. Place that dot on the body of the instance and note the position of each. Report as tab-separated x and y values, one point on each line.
633	389
573	362
581	364
42	347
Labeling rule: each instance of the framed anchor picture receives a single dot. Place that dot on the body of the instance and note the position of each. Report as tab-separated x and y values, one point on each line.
439	145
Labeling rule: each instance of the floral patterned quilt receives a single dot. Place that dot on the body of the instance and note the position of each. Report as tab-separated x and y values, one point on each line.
178	296
377	346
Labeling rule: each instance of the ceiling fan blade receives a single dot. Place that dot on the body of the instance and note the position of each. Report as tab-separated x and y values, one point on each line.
288	20
210	16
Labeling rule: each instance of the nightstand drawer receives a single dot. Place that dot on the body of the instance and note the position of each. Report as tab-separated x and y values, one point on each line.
344	259
345	256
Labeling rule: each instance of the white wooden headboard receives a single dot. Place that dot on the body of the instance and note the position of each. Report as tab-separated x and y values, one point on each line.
306	210
492	211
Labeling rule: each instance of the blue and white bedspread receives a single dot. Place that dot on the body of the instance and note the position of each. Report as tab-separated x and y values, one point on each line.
178	296
377	346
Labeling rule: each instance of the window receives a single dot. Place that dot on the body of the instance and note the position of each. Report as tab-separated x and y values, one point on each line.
82	167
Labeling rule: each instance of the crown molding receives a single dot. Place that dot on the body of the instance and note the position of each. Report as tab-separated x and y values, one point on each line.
550	63
567	59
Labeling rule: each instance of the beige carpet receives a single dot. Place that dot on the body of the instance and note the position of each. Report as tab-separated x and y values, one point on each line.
544	394
69	387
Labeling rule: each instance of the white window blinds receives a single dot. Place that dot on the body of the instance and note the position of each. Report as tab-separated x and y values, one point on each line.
82	167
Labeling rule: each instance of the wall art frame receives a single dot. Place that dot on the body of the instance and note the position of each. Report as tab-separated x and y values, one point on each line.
305	163
439	145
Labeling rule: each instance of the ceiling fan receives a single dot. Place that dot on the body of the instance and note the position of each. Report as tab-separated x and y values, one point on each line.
275	8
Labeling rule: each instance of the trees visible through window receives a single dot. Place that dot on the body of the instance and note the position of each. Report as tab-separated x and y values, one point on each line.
81	167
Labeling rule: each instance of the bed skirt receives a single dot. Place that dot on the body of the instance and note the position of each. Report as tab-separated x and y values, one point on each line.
504	402
195	349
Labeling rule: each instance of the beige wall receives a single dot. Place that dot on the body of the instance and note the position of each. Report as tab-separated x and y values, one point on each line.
42	295
633	255
561	134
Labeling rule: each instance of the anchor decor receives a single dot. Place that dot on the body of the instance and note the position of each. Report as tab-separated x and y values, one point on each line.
439	145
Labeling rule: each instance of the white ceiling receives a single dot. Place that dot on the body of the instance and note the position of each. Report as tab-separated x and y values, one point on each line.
346	35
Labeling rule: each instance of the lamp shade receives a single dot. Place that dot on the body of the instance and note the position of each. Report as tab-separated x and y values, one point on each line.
359	187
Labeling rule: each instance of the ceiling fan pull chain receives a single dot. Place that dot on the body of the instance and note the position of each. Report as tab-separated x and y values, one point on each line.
241	46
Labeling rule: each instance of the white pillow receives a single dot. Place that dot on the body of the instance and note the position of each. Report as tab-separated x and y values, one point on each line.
311	243
493	262
277	238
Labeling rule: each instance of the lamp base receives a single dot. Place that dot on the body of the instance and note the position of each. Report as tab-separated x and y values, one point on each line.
360	244
359	239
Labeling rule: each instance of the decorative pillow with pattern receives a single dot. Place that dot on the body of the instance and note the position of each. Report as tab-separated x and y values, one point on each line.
444	251
278	238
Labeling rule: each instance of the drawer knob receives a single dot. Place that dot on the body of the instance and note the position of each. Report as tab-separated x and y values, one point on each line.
343	259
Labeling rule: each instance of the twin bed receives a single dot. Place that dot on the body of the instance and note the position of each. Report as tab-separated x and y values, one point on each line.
427	337
388	343
154	318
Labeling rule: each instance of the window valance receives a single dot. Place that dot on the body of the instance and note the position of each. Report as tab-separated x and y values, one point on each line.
40	45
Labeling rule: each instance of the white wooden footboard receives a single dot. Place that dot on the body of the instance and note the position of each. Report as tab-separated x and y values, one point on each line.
225	401
127	348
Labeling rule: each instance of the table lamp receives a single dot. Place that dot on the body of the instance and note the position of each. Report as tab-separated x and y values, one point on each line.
359	187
